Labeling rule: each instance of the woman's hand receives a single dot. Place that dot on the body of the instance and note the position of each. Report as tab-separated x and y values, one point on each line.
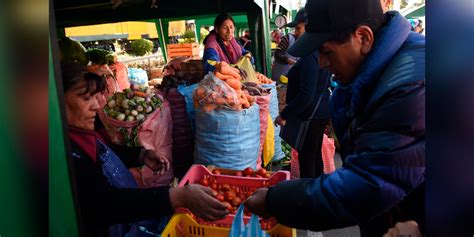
199	200
280	121
156	163
256	202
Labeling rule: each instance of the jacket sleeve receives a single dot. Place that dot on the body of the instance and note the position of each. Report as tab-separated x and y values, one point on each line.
387	164
307	85
103	204
209	54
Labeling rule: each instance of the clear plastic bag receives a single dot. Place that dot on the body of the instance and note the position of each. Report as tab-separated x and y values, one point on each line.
213	93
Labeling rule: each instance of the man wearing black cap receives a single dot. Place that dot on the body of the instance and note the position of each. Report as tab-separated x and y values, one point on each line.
378	116
284	61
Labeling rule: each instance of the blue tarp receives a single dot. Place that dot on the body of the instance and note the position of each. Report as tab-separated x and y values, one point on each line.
227	138
187	92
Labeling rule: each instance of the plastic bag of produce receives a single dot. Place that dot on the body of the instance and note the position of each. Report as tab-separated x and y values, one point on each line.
263	104
269	144
137	76
251	229
187	92
121	74
214	93
274	113
140	118
228	138
183	136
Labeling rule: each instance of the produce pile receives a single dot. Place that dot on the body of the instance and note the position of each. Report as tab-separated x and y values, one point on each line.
263	79
247	172
133	104
224	90
232	195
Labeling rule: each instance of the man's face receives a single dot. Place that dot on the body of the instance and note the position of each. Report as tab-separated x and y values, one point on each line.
299	29
342	59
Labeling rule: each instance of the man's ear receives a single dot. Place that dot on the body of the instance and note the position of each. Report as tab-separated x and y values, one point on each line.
366	38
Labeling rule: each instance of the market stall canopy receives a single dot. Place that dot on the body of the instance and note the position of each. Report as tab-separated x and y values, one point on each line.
415	12
86	12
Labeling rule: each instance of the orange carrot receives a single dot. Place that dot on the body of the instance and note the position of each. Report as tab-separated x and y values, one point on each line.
235	84
222	76
226	69
139	93
225	64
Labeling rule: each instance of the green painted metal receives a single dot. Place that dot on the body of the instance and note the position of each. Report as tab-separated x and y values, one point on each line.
420	12
62	215
162	39
15	193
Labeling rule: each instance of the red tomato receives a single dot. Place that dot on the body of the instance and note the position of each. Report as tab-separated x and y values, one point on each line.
205	182
229	207
242	196
225	187
214	193
247	171
236	202
261	172
238	173
258	176
229	195
212	180
213	186
220	197
216	171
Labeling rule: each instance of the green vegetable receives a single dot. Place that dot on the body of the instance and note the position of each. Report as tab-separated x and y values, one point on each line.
100	56
140	47
72	51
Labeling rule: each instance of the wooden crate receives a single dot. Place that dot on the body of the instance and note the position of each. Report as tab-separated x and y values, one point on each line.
186	50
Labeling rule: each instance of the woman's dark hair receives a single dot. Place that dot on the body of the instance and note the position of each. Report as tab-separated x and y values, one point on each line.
343	36
73	74
221	18
218	23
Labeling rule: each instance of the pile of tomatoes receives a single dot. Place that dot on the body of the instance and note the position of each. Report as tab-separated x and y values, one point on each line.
230	195
247	172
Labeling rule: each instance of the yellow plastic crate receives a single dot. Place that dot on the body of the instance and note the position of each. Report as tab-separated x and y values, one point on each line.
183	225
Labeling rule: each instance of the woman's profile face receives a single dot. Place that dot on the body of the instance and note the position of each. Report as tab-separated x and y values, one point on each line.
81	108
226	30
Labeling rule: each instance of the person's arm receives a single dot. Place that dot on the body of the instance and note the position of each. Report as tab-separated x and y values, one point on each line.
128	155
103	204
209	54
281	55
387	164
307	70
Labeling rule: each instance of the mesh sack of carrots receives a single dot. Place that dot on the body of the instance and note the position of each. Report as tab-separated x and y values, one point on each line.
216	93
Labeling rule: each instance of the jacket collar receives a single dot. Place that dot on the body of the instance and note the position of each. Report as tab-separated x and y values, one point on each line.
387	43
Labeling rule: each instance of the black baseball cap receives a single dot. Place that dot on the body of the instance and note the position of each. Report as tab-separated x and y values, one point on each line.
325	17
299	18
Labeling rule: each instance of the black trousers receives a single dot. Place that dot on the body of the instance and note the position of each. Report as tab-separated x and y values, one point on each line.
310	157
